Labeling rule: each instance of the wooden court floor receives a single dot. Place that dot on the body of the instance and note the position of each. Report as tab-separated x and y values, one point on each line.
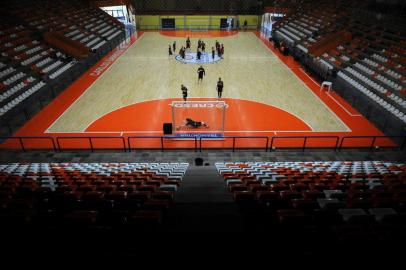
250	71
129	92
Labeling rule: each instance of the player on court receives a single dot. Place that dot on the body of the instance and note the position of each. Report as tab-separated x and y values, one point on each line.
184	92
201	73
222	50
194	124
188	43
220	86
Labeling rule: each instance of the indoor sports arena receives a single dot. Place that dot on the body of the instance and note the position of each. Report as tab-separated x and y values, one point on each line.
276	121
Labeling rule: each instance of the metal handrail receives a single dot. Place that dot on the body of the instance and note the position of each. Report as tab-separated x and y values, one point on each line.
22	138
90	138
156	137
372	145
234	139
338	145
305	139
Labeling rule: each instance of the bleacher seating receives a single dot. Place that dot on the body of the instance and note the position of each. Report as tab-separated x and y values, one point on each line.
75	19
320	194
373	61
88	194
371	72
22	44
308	25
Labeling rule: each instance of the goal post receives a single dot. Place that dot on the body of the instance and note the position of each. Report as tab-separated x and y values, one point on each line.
211	113
195	24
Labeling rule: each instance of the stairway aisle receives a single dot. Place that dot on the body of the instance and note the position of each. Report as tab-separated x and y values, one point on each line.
203	204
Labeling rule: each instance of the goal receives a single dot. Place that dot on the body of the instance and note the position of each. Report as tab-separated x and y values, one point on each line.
198	25
212	113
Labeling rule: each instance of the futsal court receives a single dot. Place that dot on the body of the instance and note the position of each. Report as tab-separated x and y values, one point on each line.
130	92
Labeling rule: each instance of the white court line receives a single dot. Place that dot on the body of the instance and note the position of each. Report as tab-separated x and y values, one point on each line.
228	131
193	101
97	78
317	97
199	99
231	57
235	131
306	87
86	132
338	103
251	57
270	131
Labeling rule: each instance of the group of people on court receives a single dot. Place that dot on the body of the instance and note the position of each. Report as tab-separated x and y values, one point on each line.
201	72
201	48
182	51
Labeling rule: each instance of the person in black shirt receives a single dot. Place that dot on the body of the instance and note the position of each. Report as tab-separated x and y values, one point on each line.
213	53
170	50
182	52
219	51
222	50
194	124
220	86
188	43
174	46
184	92
201	73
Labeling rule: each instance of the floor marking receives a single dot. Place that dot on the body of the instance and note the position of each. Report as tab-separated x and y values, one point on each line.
338	103
191	100
306	87
104	71
228	131
274	56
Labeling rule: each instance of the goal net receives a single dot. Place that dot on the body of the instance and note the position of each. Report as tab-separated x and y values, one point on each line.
198	25
210	114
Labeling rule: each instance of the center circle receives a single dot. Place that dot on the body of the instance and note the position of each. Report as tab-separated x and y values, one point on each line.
191	58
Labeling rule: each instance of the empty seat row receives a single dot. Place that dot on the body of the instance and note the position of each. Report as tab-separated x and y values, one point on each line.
9	106
16	88
400	114
83	194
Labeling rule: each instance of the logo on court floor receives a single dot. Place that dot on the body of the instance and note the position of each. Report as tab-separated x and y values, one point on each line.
191	58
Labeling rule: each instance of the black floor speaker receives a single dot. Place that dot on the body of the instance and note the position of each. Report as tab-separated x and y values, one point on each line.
167	128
